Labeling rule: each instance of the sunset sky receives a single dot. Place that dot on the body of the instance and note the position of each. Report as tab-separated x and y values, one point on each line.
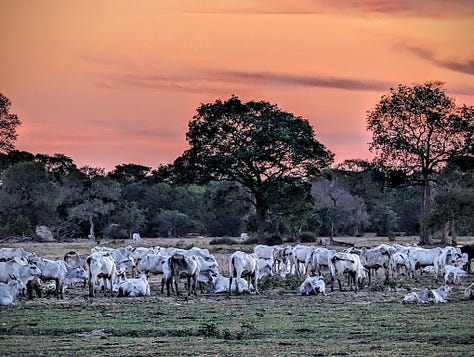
113	81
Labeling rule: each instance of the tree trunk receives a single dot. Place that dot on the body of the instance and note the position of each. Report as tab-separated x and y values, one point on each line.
454	238
425	234
261	217
445	234
91	225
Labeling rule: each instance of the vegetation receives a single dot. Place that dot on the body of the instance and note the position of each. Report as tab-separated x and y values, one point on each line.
417	130
254	168
255	144
8	125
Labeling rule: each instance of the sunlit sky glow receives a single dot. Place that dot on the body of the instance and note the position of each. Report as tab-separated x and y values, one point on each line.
113	81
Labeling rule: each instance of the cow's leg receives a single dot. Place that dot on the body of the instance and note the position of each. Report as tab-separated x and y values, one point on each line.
230	284
168	285
91	288
176	281
254	278
190	288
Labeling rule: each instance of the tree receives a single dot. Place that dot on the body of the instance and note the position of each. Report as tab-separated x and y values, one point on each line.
253	143
344	212
90	195
59	165
29	194
417	129
129	173
8	124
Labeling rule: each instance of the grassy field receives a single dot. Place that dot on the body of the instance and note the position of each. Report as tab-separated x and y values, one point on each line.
278	322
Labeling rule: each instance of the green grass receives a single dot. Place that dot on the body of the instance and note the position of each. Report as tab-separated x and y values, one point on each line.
287	324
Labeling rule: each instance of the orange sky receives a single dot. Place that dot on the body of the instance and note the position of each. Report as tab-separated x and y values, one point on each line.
113	81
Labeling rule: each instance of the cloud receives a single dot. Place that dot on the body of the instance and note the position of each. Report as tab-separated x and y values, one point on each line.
409	8
215	81
426	54
285	79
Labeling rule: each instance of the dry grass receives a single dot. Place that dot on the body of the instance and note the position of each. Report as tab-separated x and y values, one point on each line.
278	322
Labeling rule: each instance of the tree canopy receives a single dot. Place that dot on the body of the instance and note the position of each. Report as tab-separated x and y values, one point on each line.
8	124
417	129
254	143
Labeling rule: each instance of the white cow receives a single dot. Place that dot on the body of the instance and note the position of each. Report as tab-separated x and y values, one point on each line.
101	266
24	272
243	265
264	268
9	292
58	270
155	264
401	259
422	257
182	266
321	257
469	292
19	254
428	296
208	269
135	287
136	237
313	285
346	263
281	259
302	255
375	258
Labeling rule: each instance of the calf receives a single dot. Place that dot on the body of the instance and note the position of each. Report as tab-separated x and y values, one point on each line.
243	265
456	272
220	284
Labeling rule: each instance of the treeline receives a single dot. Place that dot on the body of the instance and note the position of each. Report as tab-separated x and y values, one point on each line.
352	198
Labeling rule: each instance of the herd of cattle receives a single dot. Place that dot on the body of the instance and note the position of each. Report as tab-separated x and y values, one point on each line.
125	271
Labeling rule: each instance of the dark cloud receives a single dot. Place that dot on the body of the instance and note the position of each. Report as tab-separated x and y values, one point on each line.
212	81
284	79
426	54
409	8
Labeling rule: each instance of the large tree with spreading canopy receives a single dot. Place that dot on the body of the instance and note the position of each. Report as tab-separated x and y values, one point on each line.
417	129
254	143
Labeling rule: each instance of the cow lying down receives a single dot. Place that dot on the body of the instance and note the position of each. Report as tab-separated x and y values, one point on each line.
469	292
313	285
428	296
134	287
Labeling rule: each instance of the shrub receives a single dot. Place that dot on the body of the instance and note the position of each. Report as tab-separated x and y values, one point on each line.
307	237
223	240
274	239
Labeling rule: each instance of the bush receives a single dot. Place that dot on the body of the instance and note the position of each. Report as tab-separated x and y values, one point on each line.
274	239
223	240
115	231
307	237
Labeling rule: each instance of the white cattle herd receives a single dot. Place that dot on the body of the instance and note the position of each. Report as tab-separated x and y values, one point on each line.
125	271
